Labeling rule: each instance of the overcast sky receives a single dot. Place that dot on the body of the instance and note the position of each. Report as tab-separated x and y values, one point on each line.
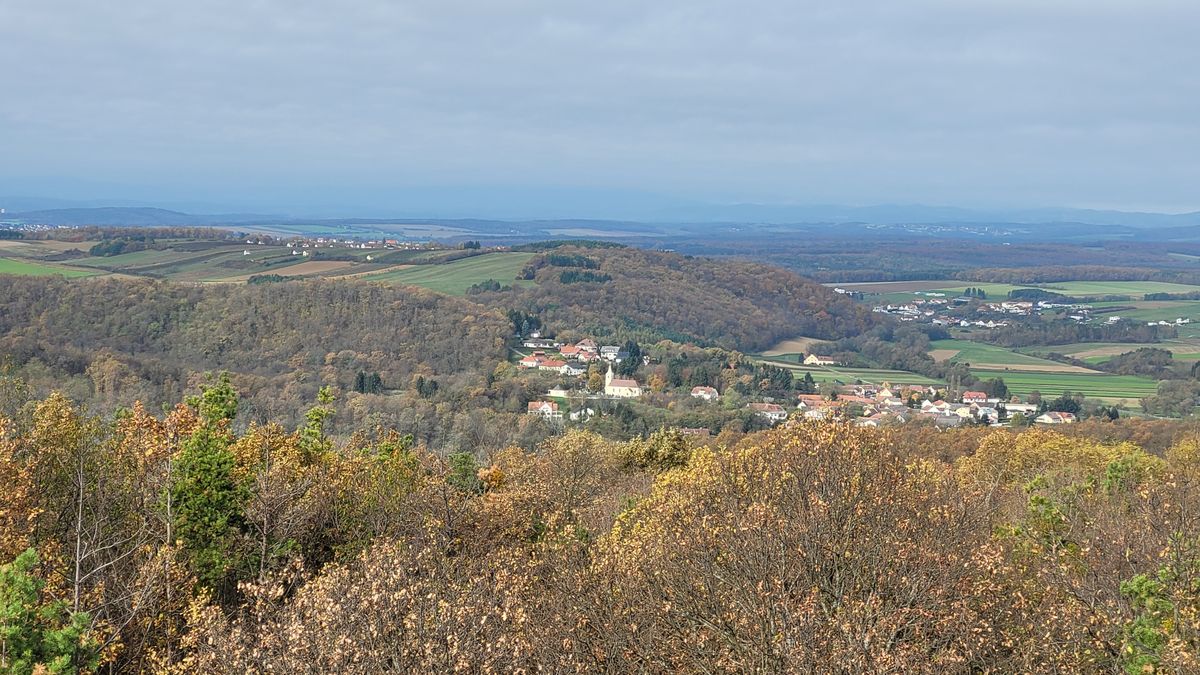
263	103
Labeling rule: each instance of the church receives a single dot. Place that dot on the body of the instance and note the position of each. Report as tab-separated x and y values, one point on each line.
620	388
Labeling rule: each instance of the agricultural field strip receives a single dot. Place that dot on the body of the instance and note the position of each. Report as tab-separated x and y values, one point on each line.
1065	287
1097	385
991	357
30	268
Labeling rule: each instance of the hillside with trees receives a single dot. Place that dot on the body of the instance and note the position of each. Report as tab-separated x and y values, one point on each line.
412	358
112	341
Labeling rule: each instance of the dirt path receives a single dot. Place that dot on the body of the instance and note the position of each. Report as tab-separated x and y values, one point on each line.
1034	368
943	354
796	345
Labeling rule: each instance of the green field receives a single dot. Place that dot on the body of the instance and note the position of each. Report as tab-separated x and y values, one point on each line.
847	375
33	269
1099	385
895	292
455	277
1133	288
1155	310
135	259
978	353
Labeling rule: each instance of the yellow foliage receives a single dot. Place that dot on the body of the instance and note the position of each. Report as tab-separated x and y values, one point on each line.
1006	459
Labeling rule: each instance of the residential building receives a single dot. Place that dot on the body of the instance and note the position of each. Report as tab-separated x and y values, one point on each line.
772	411
706	393
1054	417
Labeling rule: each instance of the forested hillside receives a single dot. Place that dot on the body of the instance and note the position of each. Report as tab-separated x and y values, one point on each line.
111	341
652	295
172	543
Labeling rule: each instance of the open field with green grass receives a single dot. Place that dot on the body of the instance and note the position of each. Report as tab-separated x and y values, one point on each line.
901	291
1155	310
456	277
1133	288
29	268
988	356
1087	350
1098	385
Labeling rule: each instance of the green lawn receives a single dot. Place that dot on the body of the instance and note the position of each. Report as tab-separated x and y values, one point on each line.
32	269
980	353
1099	385
455	277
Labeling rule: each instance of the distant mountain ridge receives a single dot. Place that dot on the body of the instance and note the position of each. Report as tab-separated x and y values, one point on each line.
692	214
138	216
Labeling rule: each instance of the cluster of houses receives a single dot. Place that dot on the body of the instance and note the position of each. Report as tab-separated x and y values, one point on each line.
573	360
875	407
940	310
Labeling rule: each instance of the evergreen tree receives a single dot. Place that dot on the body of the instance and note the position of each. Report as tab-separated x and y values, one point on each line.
209	501
39	635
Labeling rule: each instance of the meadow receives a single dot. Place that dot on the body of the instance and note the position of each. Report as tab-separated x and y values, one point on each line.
28	268
1155	310
987	356
903	291
456	277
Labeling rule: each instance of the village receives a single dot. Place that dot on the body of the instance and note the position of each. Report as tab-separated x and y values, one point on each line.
590	374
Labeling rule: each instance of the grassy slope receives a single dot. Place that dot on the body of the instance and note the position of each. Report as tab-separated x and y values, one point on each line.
25	268
980	353
455	277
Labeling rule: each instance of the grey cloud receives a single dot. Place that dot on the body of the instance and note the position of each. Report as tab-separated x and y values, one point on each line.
990	102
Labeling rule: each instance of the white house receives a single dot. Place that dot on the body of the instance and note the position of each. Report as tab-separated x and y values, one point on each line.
1023	408
772	411
573	369
706	393
547	410
814	360
1054	417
